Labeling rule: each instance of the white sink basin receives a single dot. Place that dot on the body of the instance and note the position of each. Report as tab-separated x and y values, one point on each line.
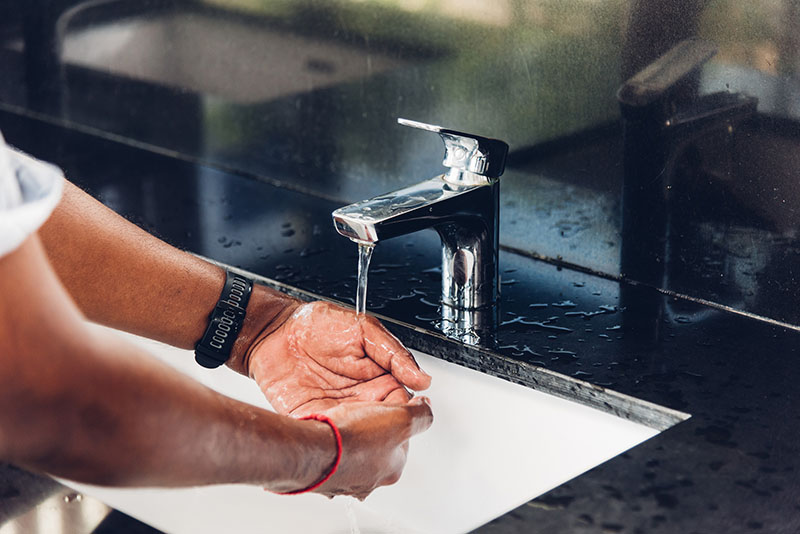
220	56
493	446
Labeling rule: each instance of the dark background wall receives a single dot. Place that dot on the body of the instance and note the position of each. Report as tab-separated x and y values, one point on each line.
305	94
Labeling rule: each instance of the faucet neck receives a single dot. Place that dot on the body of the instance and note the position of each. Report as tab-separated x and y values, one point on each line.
470	252
464	177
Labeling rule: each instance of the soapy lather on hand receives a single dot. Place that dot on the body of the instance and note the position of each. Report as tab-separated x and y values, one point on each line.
83	404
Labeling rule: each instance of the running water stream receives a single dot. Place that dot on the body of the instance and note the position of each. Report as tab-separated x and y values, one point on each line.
364	255
351	515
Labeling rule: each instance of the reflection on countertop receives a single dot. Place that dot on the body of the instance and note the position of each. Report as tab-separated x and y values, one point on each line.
208	162
320	118
731	464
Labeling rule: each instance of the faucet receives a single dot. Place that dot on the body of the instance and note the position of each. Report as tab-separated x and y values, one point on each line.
462	205
665	118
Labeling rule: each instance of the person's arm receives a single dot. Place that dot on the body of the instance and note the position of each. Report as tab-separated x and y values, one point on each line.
123	277
85	405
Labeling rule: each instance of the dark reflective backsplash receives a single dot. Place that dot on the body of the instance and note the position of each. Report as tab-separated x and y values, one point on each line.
305	95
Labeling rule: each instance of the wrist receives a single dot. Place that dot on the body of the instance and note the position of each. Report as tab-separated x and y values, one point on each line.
323	457
225	322
309	451
267	310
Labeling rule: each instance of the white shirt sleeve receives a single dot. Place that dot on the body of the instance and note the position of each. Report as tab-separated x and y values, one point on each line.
29	192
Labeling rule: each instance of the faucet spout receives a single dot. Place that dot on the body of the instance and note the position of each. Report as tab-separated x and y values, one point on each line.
466	218
463	206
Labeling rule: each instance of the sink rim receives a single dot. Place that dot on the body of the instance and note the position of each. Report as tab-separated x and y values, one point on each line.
566	387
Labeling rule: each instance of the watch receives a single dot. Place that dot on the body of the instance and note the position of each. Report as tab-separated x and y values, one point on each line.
214	348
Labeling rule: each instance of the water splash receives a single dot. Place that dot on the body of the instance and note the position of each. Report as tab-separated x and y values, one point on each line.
364	256
351	516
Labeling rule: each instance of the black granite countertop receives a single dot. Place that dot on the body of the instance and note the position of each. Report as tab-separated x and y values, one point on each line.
233	129
730	467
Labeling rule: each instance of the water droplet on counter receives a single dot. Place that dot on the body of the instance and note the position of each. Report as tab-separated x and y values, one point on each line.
402	296
585	315
564	304
525	349
429	303
517	319
308	252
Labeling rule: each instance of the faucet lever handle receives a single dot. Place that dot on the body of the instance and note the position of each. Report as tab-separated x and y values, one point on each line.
467	155
663	75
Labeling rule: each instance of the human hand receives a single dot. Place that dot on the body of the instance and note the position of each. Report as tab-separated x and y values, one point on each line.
324	355
375	440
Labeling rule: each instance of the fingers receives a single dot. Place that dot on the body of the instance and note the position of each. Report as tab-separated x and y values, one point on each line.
387	351
419	409
398	396
379	344
376	438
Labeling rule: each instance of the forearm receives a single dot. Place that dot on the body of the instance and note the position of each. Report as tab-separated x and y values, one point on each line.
128	420
85	405
123	277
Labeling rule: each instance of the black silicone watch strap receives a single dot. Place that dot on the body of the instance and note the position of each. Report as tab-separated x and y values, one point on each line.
214	348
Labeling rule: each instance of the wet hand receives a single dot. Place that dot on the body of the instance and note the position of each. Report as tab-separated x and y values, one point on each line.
375	442
324	355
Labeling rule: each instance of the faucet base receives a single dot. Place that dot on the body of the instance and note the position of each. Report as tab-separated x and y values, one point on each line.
474	327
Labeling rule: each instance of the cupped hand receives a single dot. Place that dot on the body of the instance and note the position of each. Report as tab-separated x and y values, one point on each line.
375	444
324	355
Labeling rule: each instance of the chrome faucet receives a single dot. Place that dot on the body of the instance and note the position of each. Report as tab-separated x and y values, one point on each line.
463	206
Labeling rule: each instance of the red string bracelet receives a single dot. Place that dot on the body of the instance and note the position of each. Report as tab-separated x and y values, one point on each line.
329	474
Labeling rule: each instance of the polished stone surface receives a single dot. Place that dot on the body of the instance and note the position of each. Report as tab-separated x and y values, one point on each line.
731	464
240	155
215	81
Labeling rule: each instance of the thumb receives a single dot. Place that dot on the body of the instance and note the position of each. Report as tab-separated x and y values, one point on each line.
420	414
